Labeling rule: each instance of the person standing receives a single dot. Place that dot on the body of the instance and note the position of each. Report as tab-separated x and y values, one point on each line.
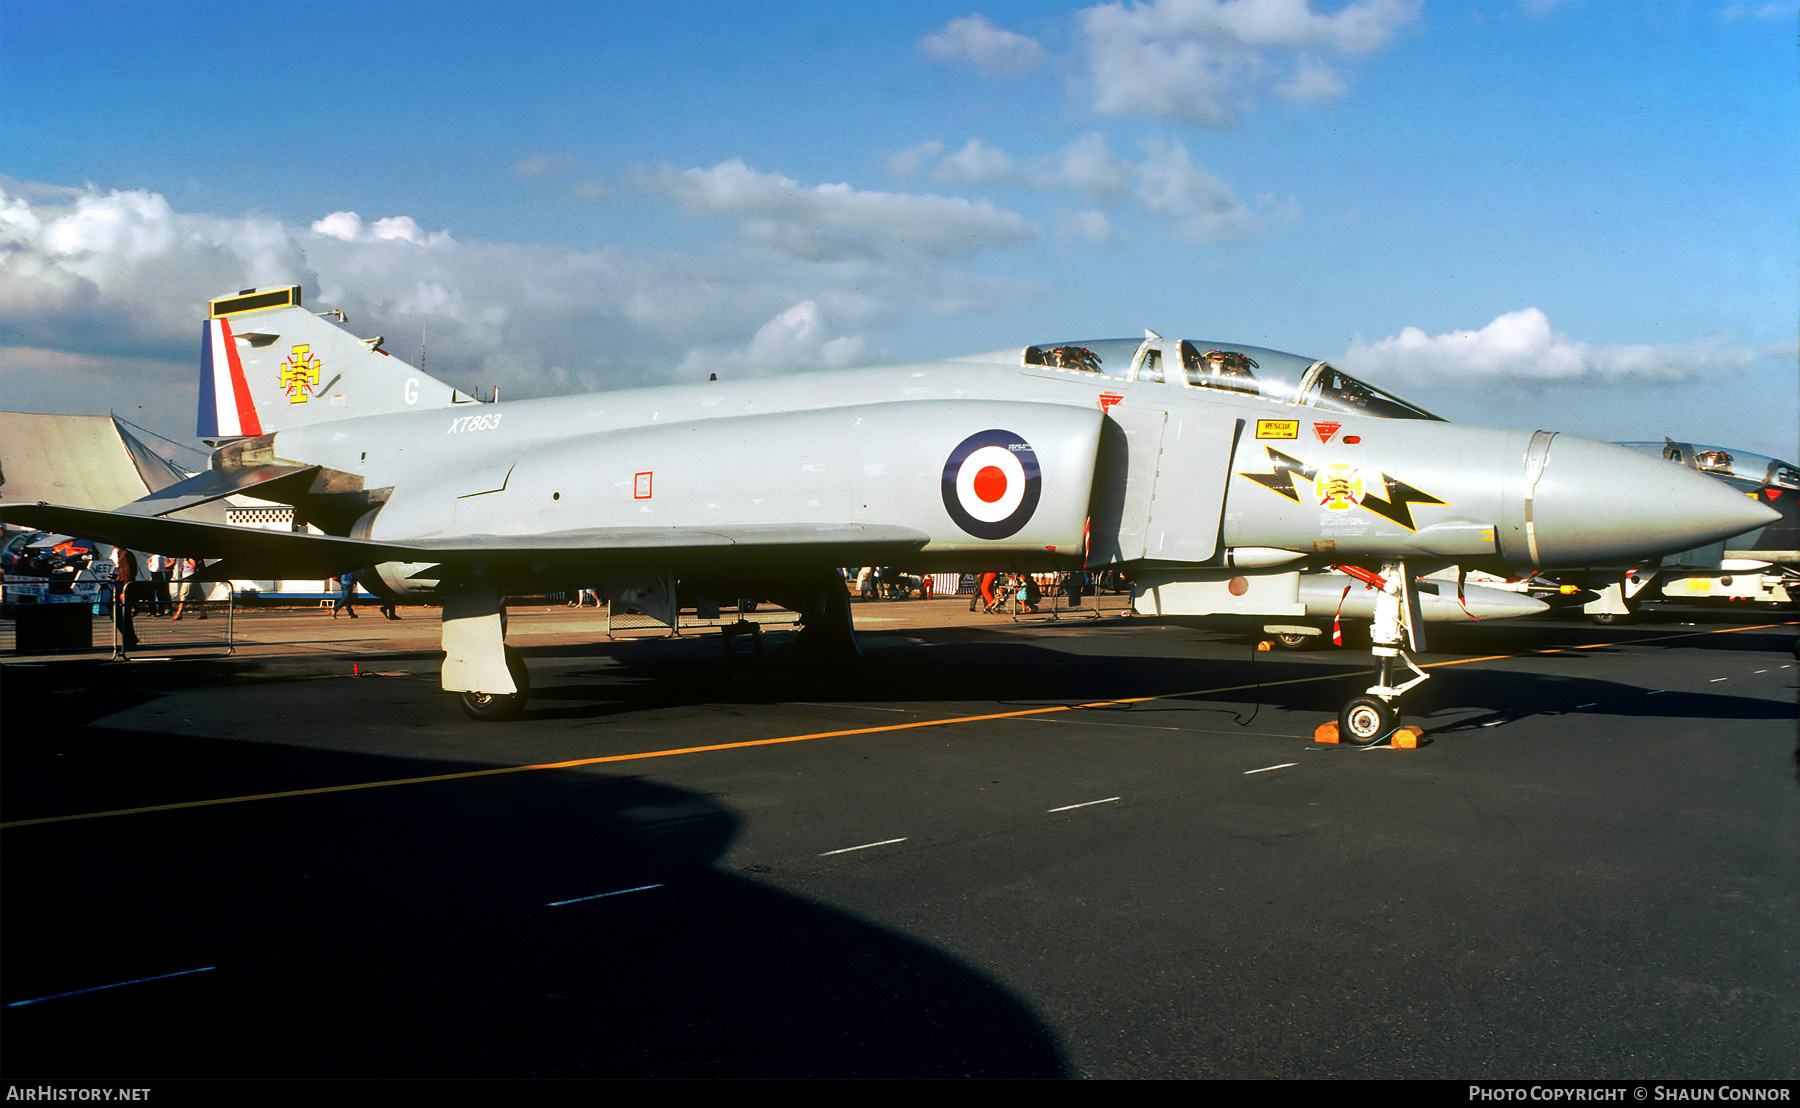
346	601
187	584
125	573
160	603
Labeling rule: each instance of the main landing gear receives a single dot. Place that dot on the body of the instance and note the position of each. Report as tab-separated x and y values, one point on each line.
490	679
492	682
1398	628
493	707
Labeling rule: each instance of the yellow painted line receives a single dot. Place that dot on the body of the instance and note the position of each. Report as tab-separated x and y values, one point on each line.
1601	645
783	739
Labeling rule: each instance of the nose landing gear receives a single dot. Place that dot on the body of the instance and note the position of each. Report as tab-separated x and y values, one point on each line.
1398	629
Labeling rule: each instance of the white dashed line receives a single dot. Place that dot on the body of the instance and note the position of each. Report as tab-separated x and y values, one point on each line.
601	896
114	985
865	846
1084	804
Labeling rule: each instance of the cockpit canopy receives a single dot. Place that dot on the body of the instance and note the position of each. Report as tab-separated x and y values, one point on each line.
1738	465
1227	367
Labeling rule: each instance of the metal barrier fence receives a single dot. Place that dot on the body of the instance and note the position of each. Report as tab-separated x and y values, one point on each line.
1054	604
99	624
620	618
1097	598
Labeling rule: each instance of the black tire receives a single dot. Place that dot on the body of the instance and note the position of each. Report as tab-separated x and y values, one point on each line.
1365	720
497	707
1608	617
1293	640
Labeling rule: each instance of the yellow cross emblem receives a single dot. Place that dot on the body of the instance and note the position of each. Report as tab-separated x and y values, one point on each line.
300	374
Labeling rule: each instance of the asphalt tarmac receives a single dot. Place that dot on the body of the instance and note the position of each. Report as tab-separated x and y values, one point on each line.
994	849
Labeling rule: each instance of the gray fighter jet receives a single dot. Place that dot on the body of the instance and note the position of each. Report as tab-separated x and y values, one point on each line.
1761	565
1215	473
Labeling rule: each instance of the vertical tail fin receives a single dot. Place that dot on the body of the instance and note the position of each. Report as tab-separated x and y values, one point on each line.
267	364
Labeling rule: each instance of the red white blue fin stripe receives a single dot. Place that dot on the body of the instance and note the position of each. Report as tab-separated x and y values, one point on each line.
226	410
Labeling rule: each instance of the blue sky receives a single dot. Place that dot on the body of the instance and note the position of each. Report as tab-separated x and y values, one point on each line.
1577	215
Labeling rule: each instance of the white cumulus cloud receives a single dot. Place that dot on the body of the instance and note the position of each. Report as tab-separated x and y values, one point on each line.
975	163
1170	184
99	288
992	51
1522	346
124	268
906	164
836	220
799	337
1208	61
349	227
1086	165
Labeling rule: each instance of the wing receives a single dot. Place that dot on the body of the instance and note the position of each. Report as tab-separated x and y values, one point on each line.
244	552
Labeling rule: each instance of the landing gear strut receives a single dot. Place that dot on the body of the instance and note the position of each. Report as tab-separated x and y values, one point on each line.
827	631
1397	630
491	679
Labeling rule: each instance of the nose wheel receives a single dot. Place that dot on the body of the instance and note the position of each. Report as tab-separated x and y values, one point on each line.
1365	720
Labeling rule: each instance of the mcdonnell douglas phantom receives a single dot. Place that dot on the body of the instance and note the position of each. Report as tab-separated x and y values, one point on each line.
1213	473
1761	565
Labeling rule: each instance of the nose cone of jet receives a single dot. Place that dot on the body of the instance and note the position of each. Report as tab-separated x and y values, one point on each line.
1598	504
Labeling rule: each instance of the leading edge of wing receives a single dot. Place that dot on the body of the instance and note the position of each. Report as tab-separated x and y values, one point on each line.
259	553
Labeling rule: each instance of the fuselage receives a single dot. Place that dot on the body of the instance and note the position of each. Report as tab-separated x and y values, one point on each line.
1125	469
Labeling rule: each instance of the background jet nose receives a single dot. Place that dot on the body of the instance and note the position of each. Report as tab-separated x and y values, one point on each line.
1599	504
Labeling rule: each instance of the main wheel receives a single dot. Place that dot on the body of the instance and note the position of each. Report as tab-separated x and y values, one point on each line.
1366	719
494	707
1293	640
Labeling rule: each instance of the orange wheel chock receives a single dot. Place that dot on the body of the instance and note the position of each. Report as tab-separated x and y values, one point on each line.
1403	738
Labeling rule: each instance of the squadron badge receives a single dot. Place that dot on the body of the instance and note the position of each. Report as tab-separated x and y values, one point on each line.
300	374
1340	487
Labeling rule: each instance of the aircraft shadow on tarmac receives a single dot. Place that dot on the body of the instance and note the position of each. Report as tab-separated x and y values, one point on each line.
972	668
412	932
416	931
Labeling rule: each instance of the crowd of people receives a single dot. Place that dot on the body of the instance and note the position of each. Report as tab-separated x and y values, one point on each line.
989	592
164	587
167	588
156	584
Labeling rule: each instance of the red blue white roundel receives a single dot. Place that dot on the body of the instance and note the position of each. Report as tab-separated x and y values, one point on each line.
992	484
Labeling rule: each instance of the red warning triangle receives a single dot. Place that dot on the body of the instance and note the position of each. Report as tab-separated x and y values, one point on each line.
1326	430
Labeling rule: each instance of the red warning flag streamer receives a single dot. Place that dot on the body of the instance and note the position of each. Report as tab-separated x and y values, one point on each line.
1460	575
1337	626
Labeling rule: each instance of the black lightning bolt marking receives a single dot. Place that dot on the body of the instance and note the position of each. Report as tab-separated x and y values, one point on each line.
1283	469
1401	498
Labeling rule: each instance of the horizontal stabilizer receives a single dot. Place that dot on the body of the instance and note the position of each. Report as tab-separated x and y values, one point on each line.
264	482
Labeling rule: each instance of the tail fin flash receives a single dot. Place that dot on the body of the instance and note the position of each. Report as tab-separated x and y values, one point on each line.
267	364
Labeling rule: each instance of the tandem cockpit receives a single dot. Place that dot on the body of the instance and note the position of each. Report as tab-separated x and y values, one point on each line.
1246	370
1735	465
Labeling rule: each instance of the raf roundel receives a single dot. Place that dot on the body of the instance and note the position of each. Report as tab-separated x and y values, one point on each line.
992	484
